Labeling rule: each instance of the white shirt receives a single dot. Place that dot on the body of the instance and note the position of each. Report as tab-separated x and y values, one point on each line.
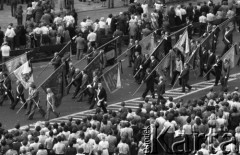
92	37
44	30
108	21
37	30
10	33
5	51
202	19
145	8
102	25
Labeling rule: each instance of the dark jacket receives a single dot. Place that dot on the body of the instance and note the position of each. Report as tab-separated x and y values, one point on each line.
56	62
102	95
19	90
211	60
203	58
7	84
185	75
137	63
138	48
161	88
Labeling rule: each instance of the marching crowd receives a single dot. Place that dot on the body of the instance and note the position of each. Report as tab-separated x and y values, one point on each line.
120	132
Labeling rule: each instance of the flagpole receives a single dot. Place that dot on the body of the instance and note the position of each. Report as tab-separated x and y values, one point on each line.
52	59
148	58
137	89
128	49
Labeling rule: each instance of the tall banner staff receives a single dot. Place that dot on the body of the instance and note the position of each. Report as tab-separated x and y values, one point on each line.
148	58
53	58
150	73
95	50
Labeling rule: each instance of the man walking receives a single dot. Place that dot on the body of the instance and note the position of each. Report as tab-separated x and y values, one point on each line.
51	104
14	7
185	77
33	102
19	95
8	89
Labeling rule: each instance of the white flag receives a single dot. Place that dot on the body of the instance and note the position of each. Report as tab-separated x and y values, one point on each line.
24	74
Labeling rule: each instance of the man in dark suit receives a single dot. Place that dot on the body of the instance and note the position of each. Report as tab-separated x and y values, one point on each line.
204	8
203	54
14	7
19	95
92	88
138	47
8	89
136	66
210	62
149	80
56	61
160	89
218	69
227	39
77	81
71	72
83	86
101	98
185	77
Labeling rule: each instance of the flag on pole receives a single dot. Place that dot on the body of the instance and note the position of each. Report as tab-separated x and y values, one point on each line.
230	55
183	43
165	66
148	44
96	63
158	52
12	64
57	82
112	78
24	73
193	59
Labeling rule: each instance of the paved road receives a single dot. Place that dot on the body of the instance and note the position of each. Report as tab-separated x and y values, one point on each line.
133	103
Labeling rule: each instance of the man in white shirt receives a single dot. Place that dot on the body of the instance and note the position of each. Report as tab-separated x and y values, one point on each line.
5	52
210	16
92	36
45	35
10	34
178	70
203	18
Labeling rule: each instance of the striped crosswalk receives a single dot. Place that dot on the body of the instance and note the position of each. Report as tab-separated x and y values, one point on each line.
134	103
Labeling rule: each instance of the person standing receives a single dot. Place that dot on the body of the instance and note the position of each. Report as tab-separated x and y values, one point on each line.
70	73
13	7
5	52
138	47
226	72
19	15
101	97
92	88
10	34
227	39
83	86
33	102
218	69
203	54
56	61
118	33
1	36
7	90
51	104
210	62
136	66
19	95
177	71
185	77
160	89
77	81
149	79
81	43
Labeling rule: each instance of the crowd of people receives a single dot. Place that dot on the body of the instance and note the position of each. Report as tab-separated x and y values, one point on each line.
119	132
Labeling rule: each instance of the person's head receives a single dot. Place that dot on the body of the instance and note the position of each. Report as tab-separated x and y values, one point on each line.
18	82
161	78
33	86
136	53
70	64
136	42
55	54
77	70
49	90
152	57
100	85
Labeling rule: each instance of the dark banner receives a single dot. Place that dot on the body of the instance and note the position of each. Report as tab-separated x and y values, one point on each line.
57	83
95	64
112	78
43	53
159	52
